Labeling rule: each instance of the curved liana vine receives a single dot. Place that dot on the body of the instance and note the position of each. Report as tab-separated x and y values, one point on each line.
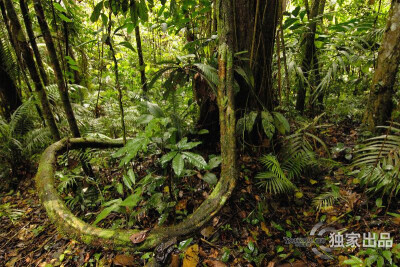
75	228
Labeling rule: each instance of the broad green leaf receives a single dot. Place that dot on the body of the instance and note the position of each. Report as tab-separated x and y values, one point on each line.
388	255
189	145
267	123
178	164
105	212
195	159
131	176
96	12
214	162
128	45
281	123
210	178
64	18
126	181
132	200
120	188
59	7
155	110
168	157
250	120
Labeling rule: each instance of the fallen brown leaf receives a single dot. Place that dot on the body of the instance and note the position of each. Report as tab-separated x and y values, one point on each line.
124	260
138	237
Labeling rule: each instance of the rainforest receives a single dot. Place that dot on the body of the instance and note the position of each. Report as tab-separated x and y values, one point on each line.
199	133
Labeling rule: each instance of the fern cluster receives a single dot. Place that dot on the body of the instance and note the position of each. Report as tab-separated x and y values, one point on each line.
21	138
379	164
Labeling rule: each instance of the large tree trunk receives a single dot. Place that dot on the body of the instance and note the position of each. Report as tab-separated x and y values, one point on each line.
255	27
380	104
22	47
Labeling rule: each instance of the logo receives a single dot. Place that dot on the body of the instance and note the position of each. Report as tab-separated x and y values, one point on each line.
320	245
318	240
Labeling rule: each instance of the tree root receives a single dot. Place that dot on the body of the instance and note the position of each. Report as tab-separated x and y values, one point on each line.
73	227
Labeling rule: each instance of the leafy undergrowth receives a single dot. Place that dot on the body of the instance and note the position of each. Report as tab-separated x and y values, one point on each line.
249	231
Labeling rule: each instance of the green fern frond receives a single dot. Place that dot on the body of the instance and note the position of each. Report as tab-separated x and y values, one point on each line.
274	180
379	162
327	199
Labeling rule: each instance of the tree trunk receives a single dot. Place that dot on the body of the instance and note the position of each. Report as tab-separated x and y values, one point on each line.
21	45
225	92
28	26
380	104
255	30
308	63
142	66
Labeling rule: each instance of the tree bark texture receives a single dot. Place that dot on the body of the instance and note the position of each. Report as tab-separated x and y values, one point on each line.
380	104
255	29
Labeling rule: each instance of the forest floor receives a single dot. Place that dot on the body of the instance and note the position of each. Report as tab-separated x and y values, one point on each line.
242	234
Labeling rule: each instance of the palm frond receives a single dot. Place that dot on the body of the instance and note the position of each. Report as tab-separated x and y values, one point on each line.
327	199
274	180
378	162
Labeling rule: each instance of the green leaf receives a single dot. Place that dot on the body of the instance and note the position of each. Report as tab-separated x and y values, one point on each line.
132	200
378	202
250	120
214	162
168	157
178	164
189	145
281	123
143	11
127	182
104	19
120	189
64	18
96	12
296	11
388	255
380	261
59	7
267	123
131	176
155	110
105	212
354	261
195	159
203	131
210	178
128	45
